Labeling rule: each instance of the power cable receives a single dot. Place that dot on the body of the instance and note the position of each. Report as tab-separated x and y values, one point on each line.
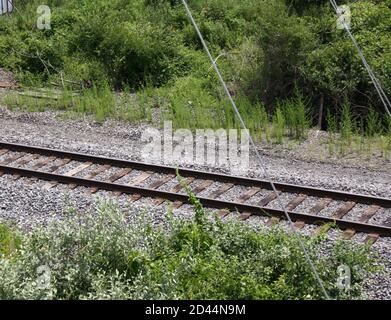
243	125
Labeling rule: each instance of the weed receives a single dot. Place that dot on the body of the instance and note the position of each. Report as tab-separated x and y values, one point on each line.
278	130
346	124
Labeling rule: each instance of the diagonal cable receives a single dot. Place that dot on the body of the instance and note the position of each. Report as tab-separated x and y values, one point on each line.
266	174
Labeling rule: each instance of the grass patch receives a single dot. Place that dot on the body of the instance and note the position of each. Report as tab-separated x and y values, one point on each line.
10	241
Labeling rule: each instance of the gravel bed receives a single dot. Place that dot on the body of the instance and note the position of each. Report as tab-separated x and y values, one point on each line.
381	217
170	184
186	211
105	175
32	163
377	286
64	168
255	199
258	222
284	198
334	234
308	229
7	155
356	212
331	208
212	188
306	205
31	205
155	177
85	172
233	194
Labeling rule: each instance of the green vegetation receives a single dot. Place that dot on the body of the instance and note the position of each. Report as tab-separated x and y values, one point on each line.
278	57
9	241
101	255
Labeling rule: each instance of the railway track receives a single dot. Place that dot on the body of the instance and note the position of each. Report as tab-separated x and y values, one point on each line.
146	180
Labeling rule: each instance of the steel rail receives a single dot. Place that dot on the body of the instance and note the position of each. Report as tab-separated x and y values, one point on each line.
244	181
207	202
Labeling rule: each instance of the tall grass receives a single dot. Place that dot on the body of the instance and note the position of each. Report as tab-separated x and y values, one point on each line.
295	114
278	130
346	124
364	135
100	102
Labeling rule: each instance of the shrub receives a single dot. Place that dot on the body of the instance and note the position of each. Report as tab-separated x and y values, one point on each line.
104	255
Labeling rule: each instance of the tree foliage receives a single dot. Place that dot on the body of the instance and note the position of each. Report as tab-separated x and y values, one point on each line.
266	49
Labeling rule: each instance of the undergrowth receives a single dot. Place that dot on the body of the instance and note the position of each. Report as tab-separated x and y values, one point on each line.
106	255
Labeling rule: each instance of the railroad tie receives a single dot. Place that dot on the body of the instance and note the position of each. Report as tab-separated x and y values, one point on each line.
223	213
372	237
94	174
3	151
77	170
196	190
157	184
116	176
139	179
10	160
54	168
265	201
39	165
42	163
269	198
223	189
23	161
178	187
248	194
320	205
61	163
338	214
245	216
293	204
202	186
344	209
272	221
367	215
244	197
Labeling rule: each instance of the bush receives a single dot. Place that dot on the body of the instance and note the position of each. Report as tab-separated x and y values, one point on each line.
103	255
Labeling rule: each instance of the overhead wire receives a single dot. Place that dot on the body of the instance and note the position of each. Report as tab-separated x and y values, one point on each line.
258	156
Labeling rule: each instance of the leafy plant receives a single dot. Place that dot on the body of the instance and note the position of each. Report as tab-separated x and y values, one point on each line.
104	255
